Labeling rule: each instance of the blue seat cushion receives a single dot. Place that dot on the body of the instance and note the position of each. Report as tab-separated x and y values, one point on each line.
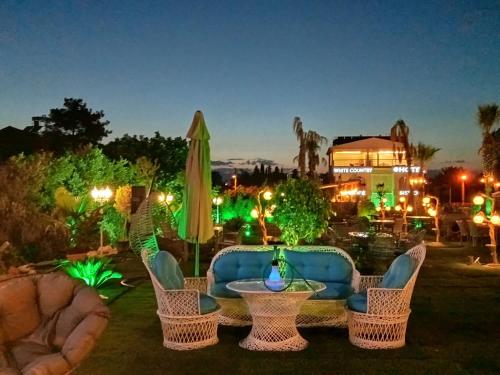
357	302
219	290
167	270
239	265
399	272
207	304
334	291
320	266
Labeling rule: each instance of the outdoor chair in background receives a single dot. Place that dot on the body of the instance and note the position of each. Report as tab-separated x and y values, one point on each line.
476	234
464	231
397	228
378	314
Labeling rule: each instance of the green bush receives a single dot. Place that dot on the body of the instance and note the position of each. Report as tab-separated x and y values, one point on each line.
302	211
366	209
93	271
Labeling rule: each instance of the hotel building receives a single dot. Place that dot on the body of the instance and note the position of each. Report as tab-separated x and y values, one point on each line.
358	164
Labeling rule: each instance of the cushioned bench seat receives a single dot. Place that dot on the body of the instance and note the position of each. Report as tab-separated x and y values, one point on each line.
329	265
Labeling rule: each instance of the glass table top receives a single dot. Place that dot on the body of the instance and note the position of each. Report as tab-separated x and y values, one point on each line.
257	286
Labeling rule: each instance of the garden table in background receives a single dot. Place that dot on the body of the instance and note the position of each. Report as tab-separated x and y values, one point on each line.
379	224
274	313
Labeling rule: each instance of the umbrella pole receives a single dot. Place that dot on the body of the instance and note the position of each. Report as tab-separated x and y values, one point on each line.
197	259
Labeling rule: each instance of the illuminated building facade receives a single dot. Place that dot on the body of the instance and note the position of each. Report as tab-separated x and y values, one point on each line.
358	164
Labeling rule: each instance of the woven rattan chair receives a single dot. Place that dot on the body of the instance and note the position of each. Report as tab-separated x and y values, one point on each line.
183	325
383	326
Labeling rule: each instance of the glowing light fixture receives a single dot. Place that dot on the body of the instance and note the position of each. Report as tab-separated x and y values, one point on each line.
478	200
479	218
426	200
217	201
432	212
387	208
402	199
377	208
275	281
409	208
495	219
267	195
254	213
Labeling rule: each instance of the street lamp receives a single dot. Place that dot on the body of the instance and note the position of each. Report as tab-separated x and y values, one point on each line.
492	222
101	196
235	178
217	201
433	211
463	178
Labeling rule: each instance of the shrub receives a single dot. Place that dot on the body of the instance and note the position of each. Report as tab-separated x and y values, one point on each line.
302	211
93	271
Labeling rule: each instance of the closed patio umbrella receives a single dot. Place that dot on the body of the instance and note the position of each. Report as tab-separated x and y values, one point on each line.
195	221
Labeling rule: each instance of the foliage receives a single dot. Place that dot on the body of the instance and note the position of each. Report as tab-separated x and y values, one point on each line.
487	116
301	157
237	206
168	153
113	225
72	211
302	211
423	153
73	126
123	200
314	141
93	271
32	234
366	209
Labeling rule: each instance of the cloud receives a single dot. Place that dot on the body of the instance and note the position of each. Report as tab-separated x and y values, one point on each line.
235	159
220	163
260	161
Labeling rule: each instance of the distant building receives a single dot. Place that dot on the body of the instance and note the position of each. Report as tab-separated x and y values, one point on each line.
357	164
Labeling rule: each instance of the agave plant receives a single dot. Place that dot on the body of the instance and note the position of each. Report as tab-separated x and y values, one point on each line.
93	271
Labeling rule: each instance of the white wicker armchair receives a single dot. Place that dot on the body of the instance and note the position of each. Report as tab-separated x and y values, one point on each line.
383	326
184	326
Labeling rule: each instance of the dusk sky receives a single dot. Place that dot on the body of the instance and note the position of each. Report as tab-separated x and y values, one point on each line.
346	68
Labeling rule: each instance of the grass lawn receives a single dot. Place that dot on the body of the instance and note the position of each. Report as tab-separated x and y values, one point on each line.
454	328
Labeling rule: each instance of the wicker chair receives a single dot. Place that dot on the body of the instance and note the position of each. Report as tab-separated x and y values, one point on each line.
383	326
184	327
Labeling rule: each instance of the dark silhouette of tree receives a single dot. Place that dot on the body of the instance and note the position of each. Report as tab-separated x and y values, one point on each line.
217	179
73	126
168	153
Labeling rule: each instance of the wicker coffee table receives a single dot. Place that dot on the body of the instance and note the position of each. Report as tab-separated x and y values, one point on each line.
274	314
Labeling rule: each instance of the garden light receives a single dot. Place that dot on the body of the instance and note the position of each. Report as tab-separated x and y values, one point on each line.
426	200
101	195
267	195
402	199
384	200
387	208
478	200
432	212
217	201
254	213
495	219
377	208
479	218
409	209
397	208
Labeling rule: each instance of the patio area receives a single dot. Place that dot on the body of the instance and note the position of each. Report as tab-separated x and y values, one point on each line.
449	331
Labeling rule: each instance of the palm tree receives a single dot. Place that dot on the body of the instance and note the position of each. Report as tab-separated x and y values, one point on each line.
487	116
314	141
423	154
301	137
400	135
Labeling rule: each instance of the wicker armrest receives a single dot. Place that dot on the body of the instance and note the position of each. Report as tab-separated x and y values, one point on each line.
384	301
198	283
366	282
179	302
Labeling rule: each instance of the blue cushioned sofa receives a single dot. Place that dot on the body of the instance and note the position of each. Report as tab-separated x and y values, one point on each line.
329	265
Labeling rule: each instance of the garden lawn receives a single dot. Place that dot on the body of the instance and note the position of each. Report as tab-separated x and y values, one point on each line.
454	328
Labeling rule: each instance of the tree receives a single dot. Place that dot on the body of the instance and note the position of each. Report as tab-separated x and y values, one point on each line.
168	153
314	141
73	126
423	154
301	137
302	211
487	116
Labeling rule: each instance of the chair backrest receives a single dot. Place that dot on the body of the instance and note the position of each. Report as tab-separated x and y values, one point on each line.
142	231
472	229
464	231
398	225
418	255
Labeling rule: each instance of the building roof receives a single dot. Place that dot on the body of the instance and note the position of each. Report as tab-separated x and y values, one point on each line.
365	144
347	139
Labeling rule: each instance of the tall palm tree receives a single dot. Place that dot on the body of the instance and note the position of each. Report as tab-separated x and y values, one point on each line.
301	137
487	116
314	141
400	136
423	154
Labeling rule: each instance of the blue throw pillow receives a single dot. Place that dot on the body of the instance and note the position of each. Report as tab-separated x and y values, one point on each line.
357	302
167	271
207	304
399	272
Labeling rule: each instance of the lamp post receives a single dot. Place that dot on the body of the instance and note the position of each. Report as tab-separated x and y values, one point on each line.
463	178
260	214
404	208
235	178
217	201
433	211
101	196
493	222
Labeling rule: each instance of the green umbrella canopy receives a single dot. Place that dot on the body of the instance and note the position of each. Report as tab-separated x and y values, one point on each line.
195	221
